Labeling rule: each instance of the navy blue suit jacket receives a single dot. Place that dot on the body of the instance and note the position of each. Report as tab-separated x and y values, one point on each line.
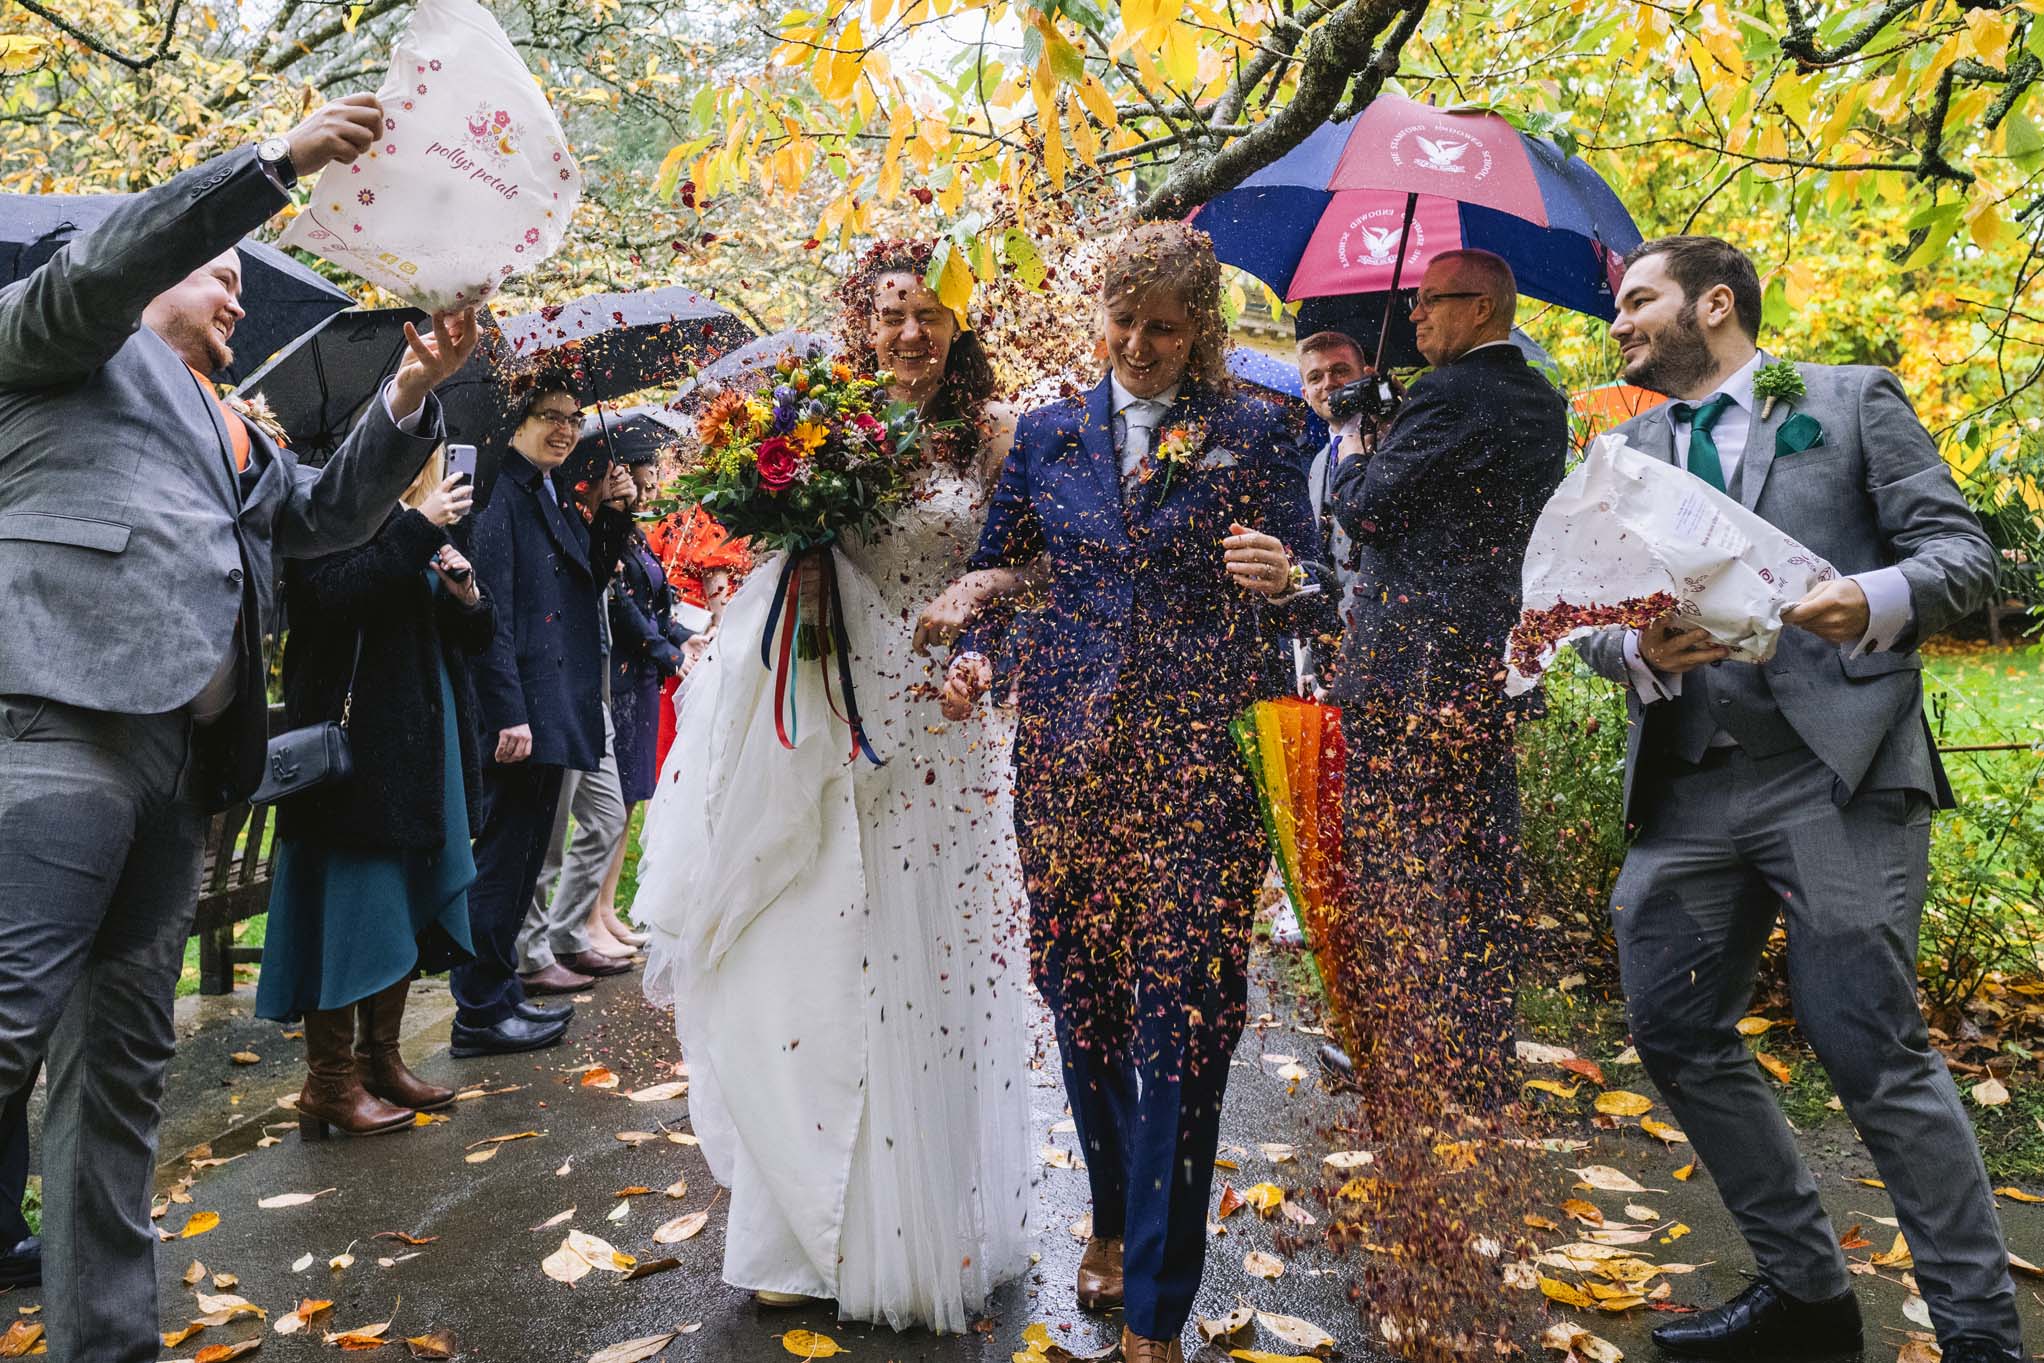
546	571
1142	617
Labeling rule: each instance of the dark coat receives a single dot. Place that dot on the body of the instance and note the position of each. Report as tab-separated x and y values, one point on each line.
1440	516
408	630
645	647
547	572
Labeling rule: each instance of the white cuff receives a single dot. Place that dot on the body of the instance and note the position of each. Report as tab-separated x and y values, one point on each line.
409	423
1890	612
1651	685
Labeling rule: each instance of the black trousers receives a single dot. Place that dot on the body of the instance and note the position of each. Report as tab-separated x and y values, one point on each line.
518	816
14	1163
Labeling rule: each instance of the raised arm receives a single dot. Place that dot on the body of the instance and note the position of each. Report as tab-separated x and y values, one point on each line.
1378	495
68	318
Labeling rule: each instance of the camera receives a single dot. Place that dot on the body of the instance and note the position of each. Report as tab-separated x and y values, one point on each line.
1370	396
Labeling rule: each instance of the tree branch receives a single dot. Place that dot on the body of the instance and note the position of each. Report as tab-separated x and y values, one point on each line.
1801	40
111	53
1341	50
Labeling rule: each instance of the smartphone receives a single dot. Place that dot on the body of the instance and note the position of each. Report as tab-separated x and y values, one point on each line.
461	461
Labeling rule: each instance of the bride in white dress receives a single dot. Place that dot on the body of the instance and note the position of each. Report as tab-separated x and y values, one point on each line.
842	941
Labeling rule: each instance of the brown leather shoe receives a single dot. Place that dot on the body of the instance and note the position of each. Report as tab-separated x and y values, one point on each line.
1100	1274
382	1066
1136	1349
333	1094
595	964
554	979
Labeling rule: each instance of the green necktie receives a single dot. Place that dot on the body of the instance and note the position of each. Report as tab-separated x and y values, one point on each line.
1703	451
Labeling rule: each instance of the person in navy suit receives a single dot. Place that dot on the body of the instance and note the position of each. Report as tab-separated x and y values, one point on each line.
1166	507
540	690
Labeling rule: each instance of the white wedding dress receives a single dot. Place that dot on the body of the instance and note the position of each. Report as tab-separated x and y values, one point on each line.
843	947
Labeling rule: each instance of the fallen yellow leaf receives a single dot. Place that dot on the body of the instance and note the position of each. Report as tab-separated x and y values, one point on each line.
1557	1089
1686	1172
809	1344
200	1223
1754	1026
2017	1195
598	1077
1621	1103
1568	1294
1661	1131
1774	1067
1264	1198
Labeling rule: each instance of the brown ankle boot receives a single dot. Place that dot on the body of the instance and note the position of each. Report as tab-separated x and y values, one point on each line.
378	1060
1136	1349
333	1094
1100	1276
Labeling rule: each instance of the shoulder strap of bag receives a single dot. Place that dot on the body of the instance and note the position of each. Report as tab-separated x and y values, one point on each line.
348	701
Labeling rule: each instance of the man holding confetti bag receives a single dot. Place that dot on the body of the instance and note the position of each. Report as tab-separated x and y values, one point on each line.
1800	788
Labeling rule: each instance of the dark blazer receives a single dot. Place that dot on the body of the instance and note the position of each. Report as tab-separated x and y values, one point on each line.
1440	516
645	649
547	571
1140	606
409	631
128	546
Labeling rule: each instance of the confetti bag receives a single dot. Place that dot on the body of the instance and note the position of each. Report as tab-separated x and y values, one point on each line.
1627	536
472	181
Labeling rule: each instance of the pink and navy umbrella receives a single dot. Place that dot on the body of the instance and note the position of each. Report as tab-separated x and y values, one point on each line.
1328	217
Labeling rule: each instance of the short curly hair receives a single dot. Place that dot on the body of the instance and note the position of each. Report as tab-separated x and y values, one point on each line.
1174	256
960	403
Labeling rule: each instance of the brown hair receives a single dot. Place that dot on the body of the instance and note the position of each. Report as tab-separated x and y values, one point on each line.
1174	256
968	384
1700	264
1332	340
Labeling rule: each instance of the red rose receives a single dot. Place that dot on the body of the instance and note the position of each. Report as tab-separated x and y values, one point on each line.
871	428
777	462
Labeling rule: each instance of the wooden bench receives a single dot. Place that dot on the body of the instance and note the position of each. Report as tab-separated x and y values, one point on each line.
234	887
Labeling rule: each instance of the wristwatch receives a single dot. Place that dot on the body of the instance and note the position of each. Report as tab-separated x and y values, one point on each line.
273	154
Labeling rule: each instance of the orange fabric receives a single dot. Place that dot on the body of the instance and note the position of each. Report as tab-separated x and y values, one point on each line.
691	546
237	429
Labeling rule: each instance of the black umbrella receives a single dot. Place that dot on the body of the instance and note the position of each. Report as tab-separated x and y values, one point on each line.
615	344
284	299
319	384
754	356
628	436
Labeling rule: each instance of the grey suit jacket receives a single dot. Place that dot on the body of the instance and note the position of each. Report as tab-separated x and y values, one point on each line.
128	549
1872	491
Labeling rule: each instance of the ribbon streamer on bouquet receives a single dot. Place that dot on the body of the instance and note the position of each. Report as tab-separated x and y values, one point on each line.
778	653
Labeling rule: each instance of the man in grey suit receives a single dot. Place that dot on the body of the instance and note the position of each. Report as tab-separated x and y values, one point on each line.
1799	789
139	522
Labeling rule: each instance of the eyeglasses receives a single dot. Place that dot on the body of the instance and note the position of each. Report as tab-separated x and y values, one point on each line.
1416	300
556	418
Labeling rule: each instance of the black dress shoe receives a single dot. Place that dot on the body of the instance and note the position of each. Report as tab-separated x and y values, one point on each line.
512	1035
532	1010
1766	1322
22	1266
1974	1349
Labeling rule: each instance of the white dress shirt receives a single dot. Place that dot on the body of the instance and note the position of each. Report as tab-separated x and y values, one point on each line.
1134	412
1889	612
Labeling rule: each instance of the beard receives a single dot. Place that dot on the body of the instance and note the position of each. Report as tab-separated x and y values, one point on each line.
1677	359
196	343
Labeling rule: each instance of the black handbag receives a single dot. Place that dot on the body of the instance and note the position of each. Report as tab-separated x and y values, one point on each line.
317	755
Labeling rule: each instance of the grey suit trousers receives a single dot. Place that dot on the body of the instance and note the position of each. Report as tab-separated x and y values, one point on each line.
560	926
1726	849
101	842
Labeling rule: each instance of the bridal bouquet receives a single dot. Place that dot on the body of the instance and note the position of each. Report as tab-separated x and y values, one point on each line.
821	453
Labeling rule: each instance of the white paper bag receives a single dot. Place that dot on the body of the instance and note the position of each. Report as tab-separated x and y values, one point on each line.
1624	525
471	182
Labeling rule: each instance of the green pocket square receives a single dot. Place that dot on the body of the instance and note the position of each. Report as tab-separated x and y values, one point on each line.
1800	432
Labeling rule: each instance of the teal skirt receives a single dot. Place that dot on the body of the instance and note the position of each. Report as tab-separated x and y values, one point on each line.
345	924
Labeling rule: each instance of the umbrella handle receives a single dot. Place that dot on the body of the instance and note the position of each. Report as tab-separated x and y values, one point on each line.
1397	273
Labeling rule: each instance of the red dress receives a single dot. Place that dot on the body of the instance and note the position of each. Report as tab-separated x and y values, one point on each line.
690	547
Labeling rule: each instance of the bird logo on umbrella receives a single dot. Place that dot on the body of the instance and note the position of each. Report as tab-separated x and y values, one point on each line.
1380	241
1440	151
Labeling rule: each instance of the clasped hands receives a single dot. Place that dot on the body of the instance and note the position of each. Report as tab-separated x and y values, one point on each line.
1835	611
1254	561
